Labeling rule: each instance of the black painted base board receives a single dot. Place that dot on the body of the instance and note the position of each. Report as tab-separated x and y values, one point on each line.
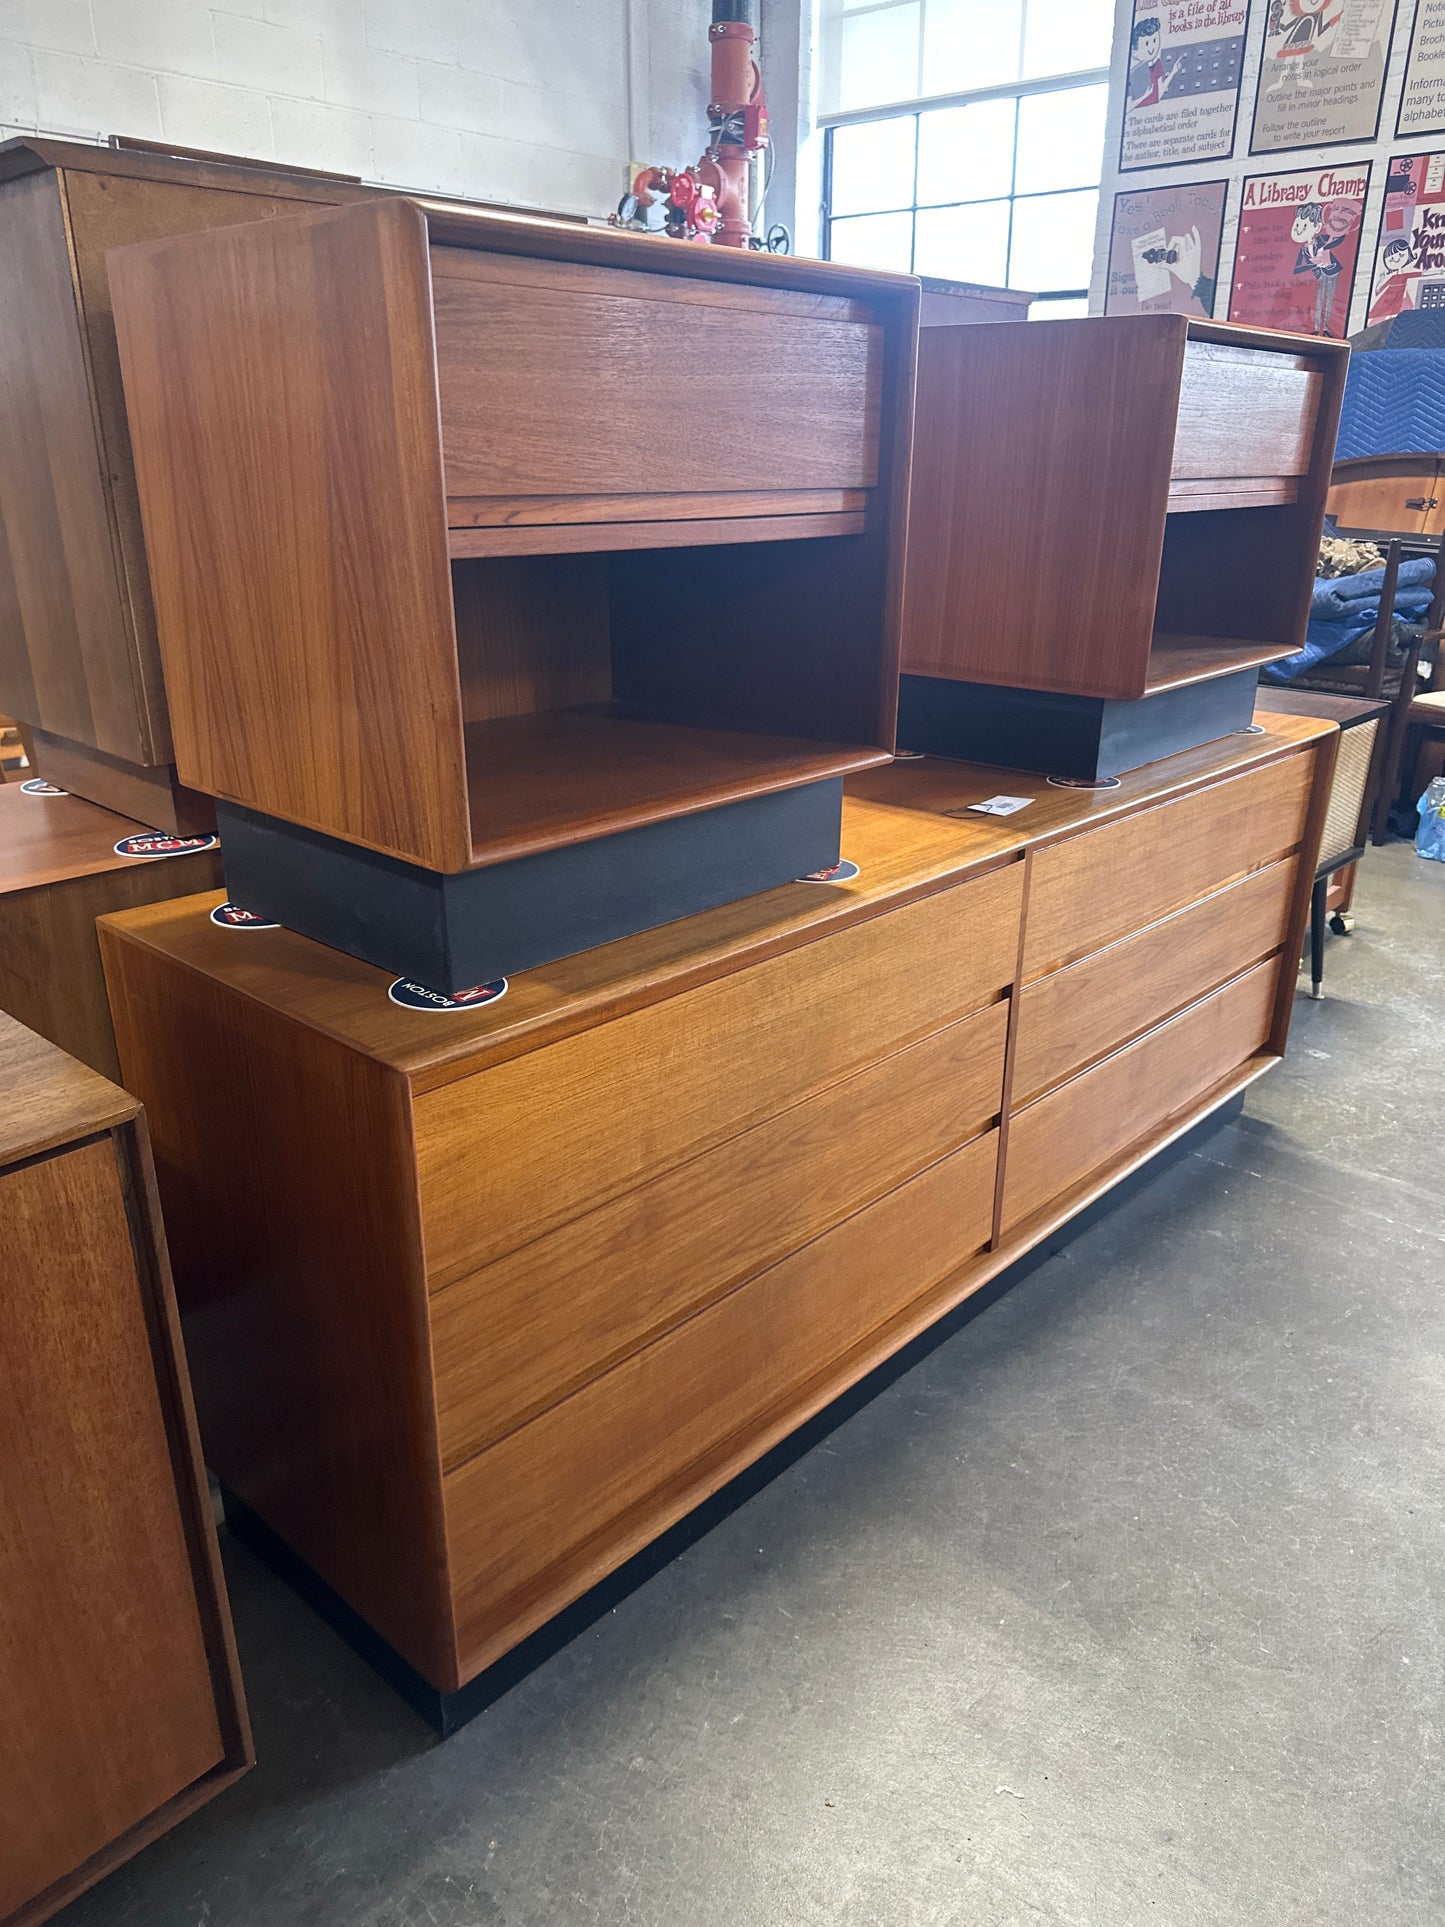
451	931
446	1712
1082	737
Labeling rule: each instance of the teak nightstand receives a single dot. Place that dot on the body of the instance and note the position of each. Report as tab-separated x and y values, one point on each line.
1114	523
518	585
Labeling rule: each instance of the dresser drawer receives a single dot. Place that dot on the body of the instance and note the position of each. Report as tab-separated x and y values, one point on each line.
1064	1138
544	1514
535	1325
511	1153
1081	1013
1244	412
1093	889
559	380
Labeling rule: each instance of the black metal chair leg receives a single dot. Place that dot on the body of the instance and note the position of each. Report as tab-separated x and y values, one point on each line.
1317	935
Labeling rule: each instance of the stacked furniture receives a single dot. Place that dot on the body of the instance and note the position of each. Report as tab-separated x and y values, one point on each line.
59	870
579	632
1114	524
581	1255
123	1707
78	655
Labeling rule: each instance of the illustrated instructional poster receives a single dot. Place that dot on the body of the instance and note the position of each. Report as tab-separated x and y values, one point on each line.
1164	249
1186	58
1321	73
1298	245
1422	103
1410	257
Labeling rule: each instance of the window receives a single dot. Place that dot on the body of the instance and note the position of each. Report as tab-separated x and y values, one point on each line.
965	139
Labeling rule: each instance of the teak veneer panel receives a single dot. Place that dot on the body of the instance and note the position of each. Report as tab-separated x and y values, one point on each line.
1092	889
609	1468
1244	413
534	1326
512	1153
1068	1019
1056	1142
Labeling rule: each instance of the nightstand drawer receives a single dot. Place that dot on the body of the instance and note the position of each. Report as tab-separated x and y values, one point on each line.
1078	1014
1065	1138
541	1516
536	1325
561	381
511	1153
1244	412
1090	890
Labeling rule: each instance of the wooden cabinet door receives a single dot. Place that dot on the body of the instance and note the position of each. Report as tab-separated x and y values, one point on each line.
109	1703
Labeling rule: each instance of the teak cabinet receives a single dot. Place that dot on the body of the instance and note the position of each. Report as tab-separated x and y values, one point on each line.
623	543
59	871
1385	495
583	1254
118	1676
1116	506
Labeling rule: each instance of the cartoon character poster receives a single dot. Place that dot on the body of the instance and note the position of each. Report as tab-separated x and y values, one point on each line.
1321	73
1422	101
1410	256
1299	240
1164	250
1186	58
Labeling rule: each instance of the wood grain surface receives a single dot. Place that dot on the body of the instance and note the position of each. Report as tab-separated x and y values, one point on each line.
1245	411
47	1098
526	1331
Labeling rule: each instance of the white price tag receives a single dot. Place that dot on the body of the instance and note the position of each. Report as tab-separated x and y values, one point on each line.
1000	805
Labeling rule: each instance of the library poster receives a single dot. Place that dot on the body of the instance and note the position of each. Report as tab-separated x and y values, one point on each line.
1422	103
1299	241
1186	59
1410	257
1321	73
1164	250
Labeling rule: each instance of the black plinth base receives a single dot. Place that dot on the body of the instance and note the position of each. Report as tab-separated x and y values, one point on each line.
450	932
445	1712
1084	737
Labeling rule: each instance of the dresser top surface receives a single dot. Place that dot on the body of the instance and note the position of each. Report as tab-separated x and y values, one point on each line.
47	1099
899	826
49	839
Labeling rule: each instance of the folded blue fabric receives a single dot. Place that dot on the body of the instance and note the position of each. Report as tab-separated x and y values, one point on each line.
1340	594
1345	607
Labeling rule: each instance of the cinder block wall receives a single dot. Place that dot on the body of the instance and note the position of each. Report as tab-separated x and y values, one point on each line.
539	102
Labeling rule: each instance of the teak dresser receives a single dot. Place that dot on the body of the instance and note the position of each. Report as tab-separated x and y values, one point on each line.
59	871
578	633
480	1302
1114	523
118	1678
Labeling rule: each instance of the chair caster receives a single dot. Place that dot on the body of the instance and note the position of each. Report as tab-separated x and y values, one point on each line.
1342	923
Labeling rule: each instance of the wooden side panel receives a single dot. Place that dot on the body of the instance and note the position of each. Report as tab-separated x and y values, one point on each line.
1092	889
532	634
281	393
1017	572
513	1152
64	661
1076	1015
1059	1141
109	1704
560	380
528	1330
284	1163
1245	412
541	1516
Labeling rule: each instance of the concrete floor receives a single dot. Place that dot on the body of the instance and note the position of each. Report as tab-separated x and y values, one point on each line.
1123	1606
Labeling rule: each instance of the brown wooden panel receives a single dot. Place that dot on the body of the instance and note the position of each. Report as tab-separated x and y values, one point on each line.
1055	1143
518	1336
146	792
47	1099
530	511
585	383
597	538
284	1221
545	1513
109	1704
531	634
1245	412
1376	493
512	1153
281	393
1090	890
64	661
1078	1014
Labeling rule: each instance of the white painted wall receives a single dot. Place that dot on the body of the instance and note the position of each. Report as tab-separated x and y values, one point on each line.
542	103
